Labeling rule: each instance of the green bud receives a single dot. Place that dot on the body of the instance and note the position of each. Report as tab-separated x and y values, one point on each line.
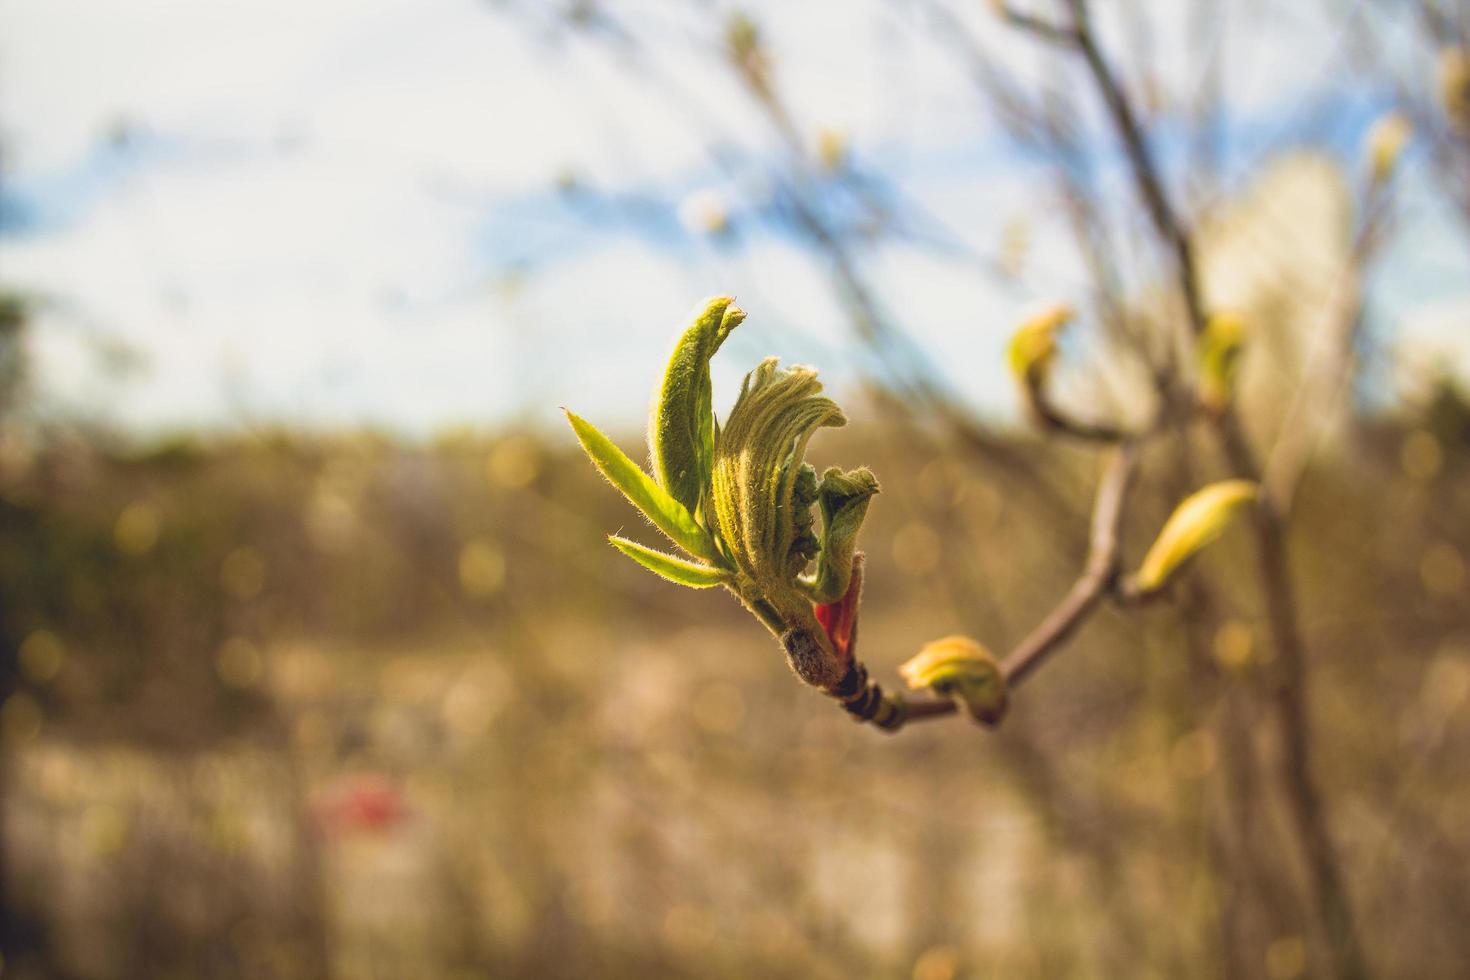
1034	344
1385	143
681	433
959	667
1196	522
1219	358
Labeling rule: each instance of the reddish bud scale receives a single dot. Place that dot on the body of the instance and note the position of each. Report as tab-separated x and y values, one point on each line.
839	618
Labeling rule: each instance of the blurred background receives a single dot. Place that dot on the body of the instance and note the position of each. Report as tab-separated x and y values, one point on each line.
314	662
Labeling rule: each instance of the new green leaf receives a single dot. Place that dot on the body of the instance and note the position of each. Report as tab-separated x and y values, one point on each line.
667	514
681	433
671	567
843	498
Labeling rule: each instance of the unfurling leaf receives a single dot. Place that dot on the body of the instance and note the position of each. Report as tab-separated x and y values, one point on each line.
762	490
843	499
959	667
681	433
671	567
1219	358
740	499
1034	344
667	514
1195	523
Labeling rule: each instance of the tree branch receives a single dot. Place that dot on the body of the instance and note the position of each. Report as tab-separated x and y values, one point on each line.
1326	380
1290	699
1098	575
865	699
1146	175
1035	25
1055	418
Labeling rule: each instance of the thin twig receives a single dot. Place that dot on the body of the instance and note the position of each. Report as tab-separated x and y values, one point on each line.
1327	380
865	699
1098	575
913	378
1146	173
1029	22
1059	420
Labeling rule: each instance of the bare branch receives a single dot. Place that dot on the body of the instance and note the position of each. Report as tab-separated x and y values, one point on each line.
1035	25
1334	910
1098	575
1058	420
1140	159
1327	379
865	700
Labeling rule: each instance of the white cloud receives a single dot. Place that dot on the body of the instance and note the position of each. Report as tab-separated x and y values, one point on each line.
298	255
81	65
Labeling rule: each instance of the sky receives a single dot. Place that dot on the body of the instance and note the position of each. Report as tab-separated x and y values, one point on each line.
417	215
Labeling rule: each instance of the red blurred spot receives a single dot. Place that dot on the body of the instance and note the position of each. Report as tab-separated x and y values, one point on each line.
361	803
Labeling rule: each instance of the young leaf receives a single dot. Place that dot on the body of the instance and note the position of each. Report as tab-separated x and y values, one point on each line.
673	568
843	498
681	433
758	466
667	514
1195	523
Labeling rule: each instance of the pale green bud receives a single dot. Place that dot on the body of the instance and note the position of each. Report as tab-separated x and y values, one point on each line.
961	668
1385	143
1034	344
1220	348
1196	522
1454	84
